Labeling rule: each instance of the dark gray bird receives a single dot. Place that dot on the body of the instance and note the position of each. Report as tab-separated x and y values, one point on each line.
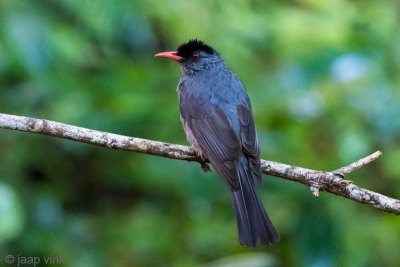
218	121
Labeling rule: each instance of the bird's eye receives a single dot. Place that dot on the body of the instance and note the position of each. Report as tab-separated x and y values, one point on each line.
196	56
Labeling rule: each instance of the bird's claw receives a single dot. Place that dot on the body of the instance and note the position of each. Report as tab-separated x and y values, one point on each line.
205	167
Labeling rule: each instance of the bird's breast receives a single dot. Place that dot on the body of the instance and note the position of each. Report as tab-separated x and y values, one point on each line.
192	140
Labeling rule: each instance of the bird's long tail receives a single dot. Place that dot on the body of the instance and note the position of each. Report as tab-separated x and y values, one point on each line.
254	226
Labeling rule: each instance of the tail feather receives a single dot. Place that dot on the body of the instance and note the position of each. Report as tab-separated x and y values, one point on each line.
254	226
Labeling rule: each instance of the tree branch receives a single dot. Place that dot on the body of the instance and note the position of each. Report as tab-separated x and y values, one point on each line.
358	164
331	182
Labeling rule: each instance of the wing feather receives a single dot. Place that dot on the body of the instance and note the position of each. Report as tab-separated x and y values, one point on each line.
248	136
219	143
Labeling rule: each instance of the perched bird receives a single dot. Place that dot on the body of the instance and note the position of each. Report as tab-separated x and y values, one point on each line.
218	122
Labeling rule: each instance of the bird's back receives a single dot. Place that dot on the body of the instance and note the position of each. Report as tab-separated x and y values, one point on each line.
202	94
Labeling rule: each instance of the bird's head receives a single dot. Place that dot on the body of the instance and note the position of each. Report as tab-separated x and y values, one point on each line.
194	56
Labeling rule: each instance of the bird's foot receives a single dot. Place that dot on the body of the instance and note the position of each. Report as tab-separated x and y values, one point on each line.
205	167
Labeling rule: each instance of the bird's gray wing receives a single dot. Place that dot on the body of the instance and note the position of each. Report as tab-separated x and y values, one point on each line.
248	137
218	142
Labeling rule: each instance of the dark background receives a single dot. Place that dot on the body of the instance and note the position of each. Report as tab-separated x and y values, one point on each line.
323	77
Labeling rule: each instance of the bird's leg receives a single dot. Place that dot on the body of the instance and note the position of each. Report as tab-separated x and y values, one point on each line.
203	161
205	167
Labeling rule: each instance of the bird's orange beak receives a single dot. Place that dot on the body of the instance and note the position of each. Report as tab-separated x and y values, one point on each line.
170	55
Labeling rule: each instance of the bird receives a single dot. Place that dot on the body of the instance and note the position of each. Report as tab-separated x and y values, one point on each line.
216	115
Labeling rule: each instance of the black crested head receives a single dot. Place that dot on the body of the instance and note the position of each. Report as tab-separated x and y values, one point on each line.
187	49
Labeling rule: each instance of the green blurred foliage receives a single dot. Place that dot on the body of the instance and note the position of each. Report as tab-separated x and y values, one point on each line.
324	81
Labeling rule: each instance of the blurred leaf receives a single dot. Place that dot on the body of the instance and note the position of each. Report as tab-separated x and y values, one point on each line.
11	213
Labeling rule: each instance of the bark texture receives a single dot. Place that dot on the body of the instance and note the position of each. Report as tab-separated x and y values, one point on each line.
332	182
